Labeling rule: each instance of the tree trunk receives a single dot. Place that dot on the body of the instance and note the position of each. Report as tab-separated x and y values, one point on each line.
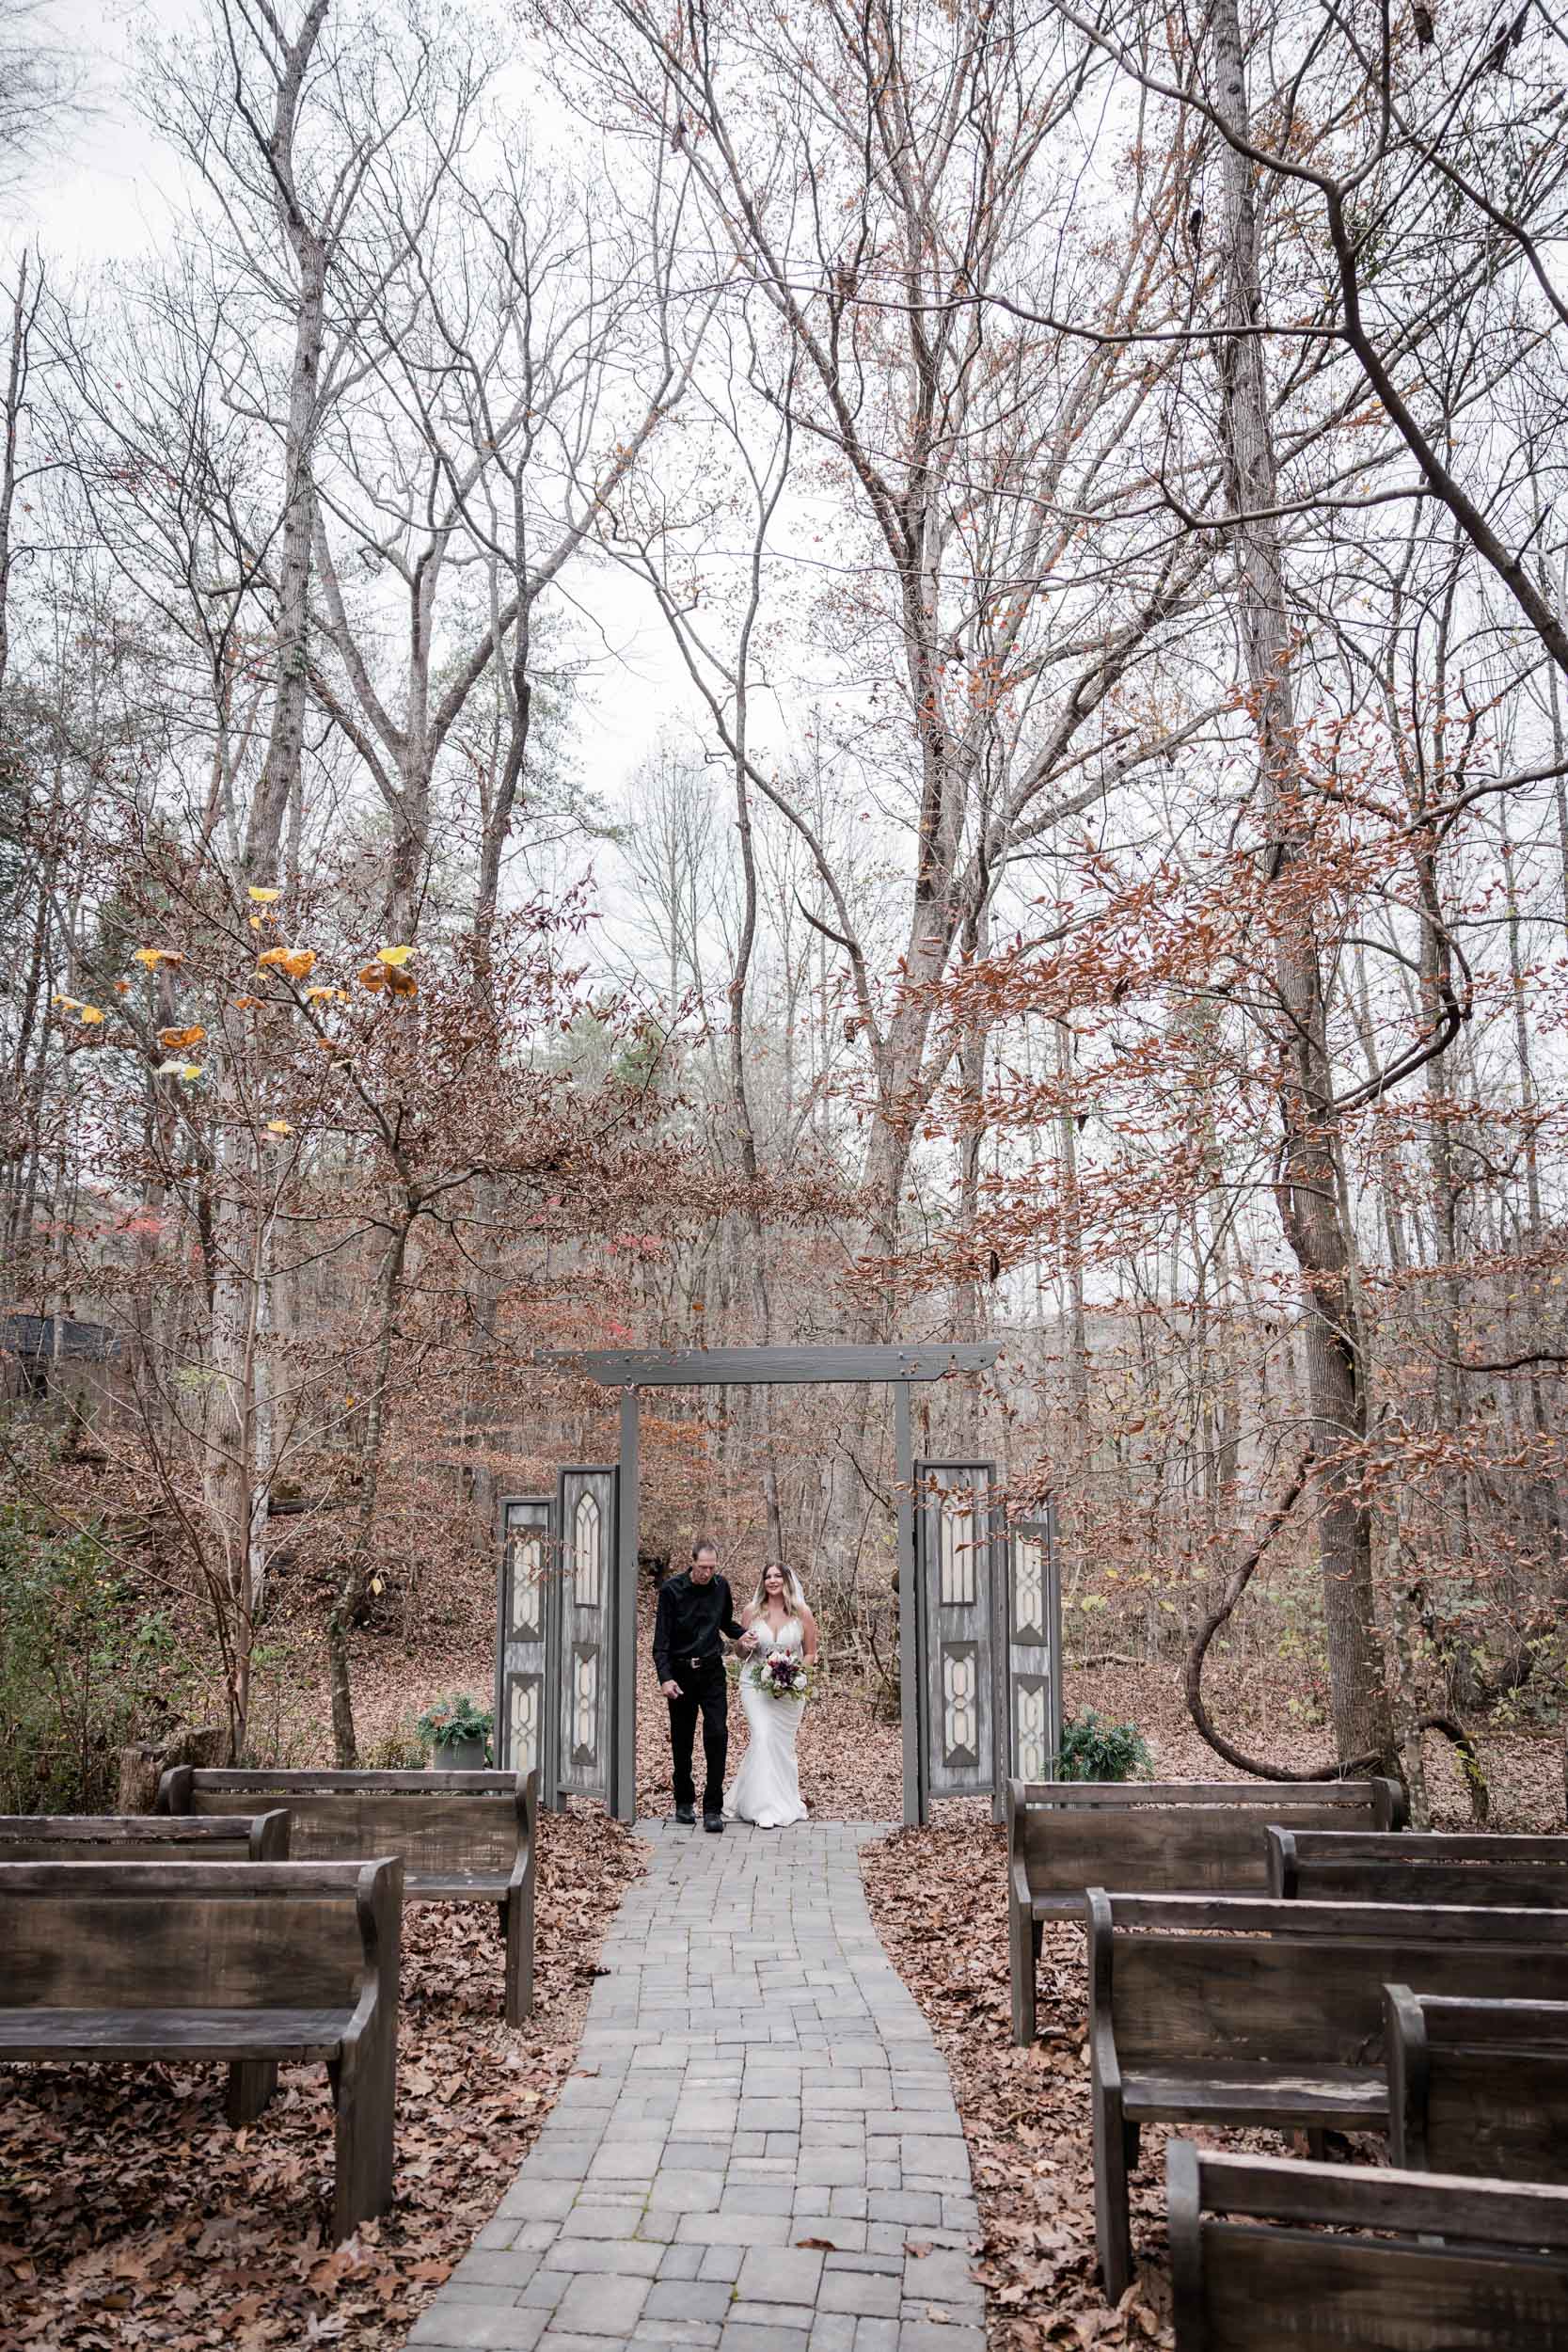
1307	1185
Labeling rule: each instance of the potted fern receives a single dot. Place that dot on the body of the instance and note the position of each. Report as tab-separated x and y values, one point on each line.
457	1733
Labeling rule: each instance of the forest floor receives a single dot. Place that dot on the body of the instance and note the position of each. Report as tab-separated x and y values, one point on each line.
131	2217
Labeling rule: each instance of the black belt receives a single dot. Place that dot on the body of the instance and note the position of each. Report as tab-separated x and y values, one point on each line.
708	1657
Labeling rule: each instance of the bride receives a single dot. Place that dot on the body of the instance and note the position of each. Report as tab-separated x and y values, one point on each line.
767	1789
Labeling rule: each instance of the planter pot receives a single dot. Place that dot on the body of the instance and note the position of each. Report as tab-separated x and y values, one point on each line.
458	1755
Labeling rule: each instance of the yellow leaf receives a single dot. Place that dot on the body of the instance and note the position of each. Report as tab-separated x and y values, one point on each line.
278	1127
263	898
152	956
396	957
190	1069
296	962
68	1003
173	1037
375	1584
89	1013
319	996
255	922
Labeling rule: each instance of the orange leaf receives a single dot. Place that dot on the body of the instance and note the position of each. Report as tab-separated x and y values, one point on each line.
173	1039
295	962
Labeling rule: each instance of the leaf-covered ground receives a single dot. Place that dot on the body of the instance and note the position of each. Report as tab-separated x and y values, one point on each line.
131	2216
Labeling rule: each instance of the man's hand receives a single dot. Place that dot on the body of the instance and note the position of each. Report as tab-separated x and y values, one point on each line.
671	1689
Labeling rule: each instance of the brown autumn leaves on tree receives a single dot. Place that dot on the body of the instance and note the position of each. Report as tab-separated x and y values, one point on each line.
1098	876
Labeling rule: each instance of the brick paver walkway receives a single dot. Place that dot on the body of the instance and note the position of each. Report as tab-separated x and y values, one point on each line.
761	2153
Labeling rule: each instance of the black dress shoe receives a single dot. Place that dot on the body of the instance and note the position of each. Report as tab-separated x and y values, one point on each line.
713	1823
687	1813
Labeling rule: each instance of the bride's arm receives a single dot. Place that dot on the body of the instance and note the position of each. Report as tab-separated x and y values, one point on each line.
808	1630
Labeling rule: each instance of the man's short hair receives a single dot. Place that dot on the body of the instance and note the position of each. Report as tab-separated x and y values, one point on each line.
705	1543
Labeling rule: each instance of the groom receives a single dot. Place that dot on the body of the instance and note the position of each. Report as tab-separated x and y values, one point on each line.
694	1610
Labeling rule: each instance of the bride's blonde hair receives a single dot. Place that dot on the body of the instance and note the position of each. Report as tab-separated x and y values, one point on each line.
794	1592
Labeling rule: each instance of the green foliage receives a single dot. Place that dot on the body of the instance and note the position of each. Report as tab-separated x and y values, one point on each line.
84	1669
447	1721
1094	1750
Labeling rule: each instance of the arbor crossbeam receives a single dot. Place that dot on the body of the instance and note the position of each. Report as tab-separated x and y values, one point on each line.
717	1367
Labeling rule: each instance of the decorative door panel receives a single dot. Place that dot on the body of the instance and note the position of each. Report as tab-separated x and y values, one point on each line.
956	1546
1034	1649
586	1677
527	1604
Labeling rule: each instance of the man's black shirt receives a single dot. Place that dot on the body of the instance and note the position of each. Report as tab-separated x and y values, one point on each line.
690	1619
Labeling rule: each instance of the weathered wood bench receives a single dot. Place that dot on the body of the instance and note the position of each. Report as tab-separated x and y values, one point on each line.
1421	1867
1227	2010
1476	2086
1478	2264
1157	1837
463	1838
251	1964
144	1838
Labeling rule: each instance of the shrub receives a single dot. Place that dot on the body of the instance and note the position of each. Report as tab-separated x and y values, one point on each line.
395	1752
448	1721
1093	1749
84	1669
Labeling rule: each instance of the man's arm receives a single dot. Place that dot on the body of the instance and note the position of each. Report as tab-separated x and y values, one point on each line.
663	1635
729	1623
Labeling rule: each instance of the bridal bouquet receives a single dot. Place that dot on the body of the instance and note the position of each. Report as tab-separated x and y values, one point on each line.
783	1674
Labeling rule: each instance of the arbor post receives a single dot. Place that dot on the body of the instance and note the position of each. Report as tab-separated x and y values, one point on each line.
624	1739
915	1804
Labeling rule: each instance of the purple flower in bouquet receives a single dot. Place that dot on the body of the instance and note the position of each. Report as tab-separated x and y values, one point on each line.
783	1676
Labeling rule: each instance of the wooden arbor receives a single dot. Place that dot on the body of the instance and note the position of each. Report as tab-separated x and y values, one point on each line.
970	1669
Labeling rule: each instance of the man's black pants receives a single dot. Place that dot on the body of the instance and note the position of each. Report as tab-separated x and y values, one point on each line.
704	1690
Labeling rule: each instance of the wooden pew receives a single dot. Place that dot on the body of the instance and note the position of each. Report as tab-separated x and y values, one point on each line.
1227	2010
1421	1866
144	1838
1478	2264
247	1962
463	1838
1476	2086
1157	1837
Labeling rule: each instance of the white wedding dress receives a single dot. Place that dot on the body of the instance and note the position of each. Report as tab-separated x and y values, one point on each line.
767	1789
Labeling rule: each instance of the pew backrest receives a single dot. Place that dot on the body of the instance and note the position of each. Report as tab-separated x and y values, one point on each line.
1478	2086
1190	1981
1171	1835
1483	2263
197	1936
144	1838
1420	1865
445	1826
